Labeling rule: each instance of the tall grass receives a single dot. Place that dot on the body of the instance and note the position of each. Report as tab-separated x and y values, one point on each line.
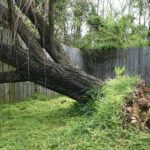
62	124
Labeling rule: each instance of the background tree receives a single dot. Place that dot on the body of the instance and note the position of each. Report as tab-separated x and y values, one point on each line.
123	22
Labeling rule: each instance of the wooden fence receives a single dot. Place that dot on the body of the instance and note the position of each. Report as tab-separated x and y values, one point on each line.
136	61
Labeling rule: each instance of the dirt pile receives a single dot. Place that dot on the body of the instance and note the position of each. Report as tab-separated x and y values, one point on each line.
138	106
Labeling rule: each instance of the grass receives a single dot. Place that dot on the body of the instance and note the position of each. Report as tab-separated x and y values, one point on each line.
62	124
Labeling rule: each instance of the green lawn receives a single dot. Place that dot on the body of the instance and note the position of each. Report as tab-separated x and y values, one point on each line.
62	124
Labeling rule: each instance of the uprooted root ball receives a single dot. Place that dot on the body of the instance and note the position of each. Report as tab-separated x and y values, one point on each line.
137	106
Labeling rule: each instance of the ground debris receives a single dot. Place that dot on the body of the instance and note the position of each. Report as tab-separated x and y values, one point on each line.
137	106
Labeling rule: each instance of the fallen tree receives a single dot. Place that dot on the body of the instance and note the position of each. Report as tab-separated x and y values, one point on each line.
63	79
59	75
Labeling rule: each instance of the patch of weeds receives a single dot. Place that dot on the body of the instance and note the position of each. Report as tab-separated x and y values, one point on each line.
62	123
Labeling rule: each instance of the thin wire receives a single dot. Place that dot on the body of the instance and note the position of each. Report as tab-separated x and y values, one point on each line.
45	71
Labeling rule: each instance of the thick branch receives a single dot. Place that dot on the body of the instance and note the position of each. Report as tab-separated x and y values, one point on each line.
28	37
51	25
57	54
6	77
11	11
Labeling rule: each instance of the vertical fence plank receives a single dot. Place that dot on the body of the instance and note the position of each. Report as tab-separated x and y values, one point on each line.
146	64
7	93
17	91
2	91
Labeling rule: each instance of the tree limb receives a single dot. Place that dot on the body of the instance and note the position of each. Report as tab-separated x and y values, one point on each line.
57	54
28	37
12	76
10	12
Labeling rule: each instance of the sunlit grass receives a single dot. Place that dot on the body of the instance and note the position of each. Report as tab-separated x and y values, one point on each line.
62	124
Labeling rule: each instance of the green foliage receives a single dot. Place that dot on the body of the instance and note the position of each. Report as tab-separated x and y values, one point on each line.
108	34
109	105
62	124
80	8
119	71
70	15
95	22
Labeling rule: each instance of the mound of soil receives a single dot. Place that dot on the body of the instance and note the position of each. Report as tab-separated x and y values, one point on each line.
137	106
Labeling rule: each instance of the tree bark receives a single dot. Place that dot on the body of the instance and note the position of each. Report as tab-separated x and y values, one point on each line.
11	10
57	53
64	79
7	77
28	37
59	75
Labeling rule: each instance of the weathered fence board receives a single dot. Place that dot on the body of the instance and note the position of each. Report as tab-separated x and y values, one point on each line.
136	60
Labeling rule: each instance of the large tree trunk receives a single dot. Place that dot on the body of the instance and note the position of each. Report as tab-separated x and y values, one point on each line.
60	75
63	79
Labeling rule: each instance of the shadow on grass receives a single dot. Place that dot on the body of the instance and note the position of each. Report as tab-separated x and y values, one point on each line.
41	112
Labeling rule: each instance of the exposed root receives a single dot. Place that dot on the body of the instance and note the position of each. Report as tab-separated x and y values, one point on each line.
137	106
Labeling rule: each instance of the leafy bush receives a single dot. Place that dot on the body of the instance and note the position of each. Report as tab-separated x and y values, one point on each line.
109	35
119	71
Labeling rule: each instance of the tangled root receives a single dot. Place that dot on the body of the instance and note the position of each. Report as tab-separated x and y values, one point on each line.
137	106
